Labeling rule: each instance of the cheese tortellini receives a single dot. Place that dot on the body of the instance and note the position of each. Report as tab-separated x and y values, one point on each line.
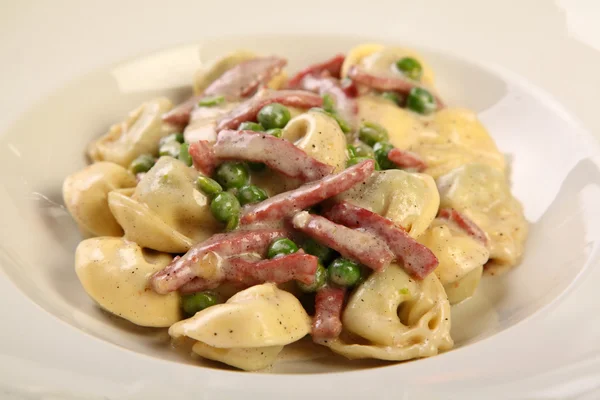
138	134
86	196
458	254
393	317
115	273
481	192
166	212
319	136
410	200
261	317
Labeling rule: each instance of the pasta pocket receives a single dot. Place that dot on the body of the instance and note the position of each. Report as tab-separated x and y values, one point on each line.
166	212
393	317
456	137
115	273
459	255
85	194
319	136
481	192
138	134
249	330
410	200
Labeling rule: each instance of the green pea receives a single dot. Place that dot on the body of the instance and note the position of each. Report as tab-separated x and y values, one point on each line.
173	137
277	132
363	150
170	149
208	186
371	133
324	253
232	223
392	96
421	101
350	151
192	303
225	207
344	272
358	160
274	115
328	103
281	247
410	67
184	154
211	101
142	164
381	150
251	194
320	278
251	126
232	174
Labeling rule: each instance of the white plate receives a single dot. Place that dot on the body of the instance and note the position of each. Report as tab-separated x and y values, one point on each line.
559	187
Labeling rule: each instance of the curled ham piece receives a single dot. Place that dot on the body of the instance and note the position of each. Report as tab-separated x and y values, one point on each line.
333	67
207	255
418	260
286	204
248	110
203	157
279	154
407	160
463	222
388	83
363	247
246	272
343	96
238	82
327	323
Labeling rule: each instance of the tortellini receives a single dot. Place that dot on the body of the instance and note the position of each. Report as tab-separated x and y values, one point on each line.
261	317
166	212
115	273
138	134
393	317
481	192
319	136
411	200
456	137
379	59
458	254
86	196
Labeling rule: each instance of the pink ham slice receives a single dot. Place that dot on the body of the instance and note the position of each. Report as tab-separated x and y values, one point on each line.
407	160
203	157
470	227
248	110
184	269
238	82
387	83
344	101
279	154
333	67
286	204
363	247
245	272
418	260
327	323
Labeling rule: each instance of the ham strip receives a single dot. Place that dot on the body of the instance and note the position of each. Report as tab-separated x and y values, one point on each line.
238	82
333	67
279	154
203	157
327	323
344	102
360	246
248	110
407	160
286	204
470	227
246	272
388	83
208	255
418	260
